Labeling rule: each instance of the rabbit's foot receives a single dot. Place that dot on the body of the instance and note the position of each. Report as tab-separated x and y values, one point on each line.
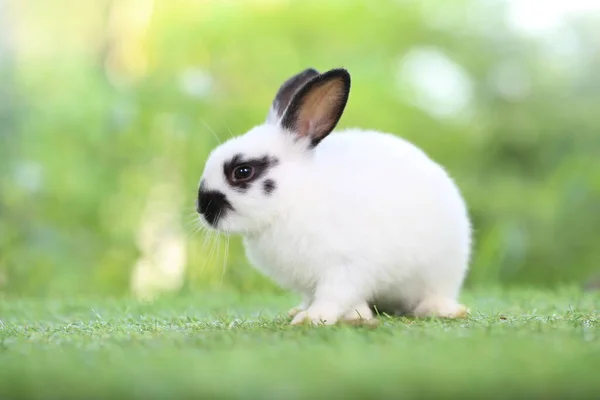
295	310
300	307
360	315
318	315
440	307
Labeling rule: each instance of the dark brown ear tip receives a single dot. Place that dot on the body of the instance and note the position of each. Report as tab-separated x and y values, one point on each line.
341	73
310	71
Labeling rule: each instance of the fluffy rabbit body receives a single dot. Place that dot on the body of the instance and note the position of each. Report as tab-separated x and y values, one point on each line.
352	220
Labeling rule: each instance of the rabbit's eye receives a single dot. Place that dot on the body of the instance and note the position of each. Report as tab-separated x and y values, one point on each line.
243	173
240	171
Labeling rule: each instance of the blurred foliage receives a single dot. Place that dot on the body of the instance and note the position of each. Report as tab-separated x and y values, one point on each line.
107	105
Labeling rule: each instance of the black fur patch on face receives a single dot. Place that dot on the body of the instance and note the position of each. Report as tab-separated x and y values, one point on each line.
269	186
212	204
259	167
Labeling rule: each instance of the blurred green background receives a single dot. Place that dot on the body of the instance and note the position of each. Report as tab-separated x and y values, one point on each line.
108	110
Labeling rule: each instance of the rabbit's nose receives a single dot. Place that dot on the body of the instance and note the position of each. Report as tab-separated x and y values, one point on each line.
201	192
198	208
212	204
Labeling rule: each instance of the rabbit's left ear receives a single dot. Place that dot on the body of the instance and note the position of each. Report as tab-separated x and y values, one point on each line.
286	92
317	106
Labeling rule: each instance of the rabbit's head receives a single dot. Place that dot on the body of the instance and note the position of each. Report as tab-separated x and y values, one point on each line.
250	179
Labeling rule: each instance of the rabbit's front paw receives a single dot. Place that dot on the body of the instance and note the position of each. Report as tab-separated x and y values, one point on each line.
294	311
300	307
321	315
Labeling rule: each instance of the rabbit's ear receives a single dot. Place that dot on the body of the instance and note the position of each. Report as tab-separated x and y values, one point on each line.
287	91
318	106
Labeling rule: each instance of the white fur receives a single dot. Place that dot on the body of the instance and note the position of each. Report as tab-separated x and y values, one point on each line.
364	218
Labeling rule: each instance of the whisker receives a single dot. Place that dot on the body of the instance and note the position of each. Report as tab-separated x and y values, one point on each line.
218	248
229	130
192	222
208	238
214	249
211	131
225	259
200	228
192	214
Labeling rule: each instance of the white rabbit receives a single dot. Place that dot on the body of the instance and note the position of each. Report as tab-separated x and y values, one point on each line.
352	221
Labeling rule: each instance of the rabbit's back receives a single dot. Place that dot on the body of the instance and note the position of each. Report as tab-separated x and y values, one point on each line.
376	185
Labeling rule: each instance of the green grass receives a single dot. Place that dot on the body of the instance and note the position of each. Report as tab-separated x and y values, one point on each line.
529	343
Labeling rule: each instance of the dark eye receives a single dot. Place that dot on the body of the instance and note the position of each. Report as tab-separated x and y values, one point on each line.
243	173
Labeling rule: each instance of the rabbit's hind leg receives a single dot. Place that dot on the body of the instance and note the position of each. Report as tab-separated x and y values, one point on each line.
441	307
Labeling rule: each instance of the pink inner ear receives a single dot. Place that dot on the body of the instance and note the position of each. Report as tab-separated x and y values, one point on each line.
317	107
320	109
305	127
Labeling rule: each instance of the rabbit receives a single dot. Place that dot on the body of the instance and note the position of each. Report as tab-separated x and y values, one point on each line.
353	221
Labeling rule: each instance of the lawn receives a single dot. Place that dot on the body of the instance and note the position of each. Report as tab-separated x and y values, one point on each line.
529	343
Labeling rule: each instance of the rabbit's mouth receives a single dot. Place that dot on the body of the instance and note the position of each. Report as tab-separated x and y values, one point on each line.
212	205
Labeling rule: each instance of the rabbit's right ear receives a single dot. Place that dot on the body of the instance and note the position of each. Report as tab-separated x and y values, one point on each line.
286	92
317	107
